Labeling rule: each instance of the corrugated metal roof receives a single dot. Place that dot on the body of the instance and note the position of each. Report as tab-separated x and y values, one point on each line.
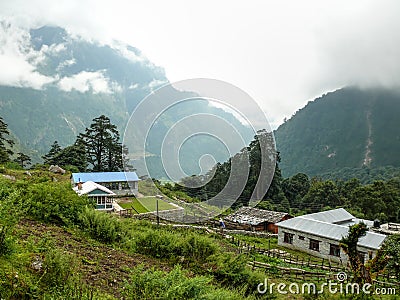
330	231
369	223
254	216
331	216
90	186
105	177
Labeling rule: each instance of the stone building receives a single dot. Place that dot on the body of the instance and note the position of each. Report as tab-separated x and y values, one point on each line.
319	234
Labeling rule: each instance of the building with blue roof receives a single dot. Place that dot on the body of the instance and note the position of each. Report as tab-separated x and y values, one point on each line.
121	183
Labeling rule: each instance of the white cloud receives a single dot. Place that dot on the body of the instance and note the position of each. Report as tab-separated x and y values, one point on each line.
155	83
88	81
18	60
133	86
66	63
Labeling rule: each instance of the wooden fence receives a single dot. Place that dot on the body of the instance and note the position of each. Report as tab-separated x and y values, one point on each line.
300	261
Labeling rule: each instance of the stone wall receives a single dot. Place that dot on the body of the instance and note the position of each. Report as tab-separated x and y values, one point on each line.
324	245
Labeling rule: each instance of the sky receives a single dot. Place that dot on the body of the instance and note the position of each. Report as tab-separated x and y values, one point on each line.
282	53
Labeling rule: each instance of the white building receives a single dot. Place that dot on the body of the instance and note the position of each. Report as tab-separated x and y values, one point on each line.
319	234
121	183
103	196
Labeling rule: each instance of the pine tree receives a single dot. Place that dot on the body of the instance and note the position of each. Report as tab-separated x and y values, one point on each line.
22	159
74	155
51	157
5	142
102	144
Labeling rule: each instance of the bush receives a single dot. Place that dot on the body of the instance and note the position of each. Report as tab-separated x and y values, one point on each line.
10	211
57	268
230	269
57	203
153	284
100	225
161	243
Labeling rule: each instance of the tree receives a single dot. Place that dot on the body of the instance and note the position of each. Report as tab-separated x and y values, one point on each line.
296	187
5	142
51	157
362	273
74	155
392	249
322	194
23	159
102	145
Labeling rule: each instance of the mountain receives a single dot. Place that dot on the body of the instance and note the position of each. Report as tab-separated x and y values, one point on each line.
349	129
67	80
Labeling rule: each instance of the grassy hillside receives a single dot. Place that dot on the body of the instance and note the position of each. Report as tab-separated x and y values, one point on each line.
54	245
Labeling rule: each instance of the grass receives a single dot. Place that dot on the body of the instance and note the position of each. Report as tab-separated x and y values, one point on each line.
150	203
147	204
134	204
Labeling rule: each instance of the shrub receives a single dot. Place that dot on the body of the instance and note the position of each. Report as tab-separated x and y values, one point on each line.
152	284
52	202
57	268
10	212
230	269
100	225
161	243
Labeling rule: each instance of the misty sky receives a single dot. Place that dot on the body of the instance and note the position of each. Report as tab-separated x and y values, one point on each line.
283	53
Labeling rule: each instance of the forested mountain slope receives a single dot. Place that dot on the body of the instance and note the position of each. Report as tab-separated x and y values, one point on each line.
349	128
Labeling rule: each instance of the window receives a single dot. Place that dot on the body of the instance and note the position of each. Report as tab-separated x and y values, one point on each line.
314	245
334	250
288	238
301	237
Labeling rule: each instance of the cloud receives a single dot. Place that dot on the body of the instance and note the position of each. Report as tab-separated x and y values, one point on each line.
18	60
88	81
66	63
155	84
361	47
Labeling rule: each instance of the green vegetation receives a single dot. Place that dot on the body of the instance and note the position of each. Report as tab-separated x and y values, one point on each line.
150	203
98	148
153	284
146	204
53	244
331	133
135	204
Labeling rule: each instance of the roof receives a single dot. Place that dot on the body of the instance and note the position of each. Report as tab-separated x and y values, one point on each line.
335	232
338	215
369	223
254	216
105	177
90	186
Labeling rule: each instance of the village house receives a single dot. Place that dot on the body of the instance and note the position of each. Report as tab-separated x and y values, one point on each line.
254	219
319	234
103	197
120	183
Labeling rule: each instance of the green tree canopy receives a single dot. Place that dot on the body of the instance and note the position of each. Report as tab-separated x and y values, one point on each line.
5	142
102	145
51	157
22	159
